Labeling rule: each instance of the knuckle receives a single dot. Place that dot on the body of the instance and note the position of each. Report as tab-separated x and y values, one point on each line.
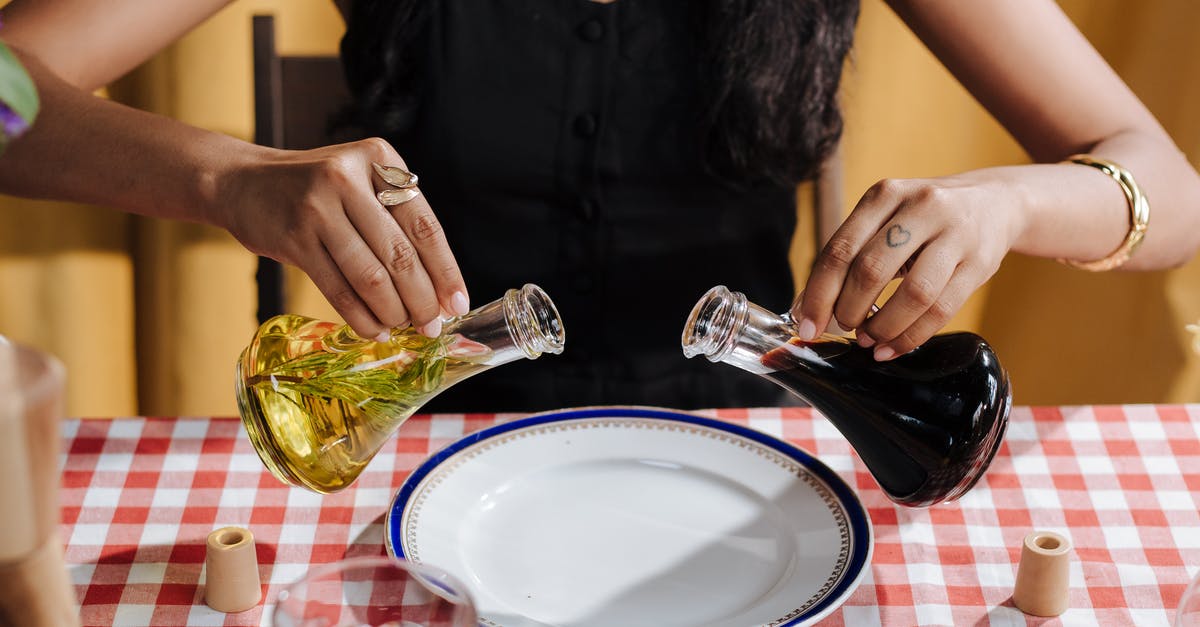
448	276
941	311
928	194
339	171
880	333
838	254
980	267
395	319
884	188
846	319
904	342
919	291
449	273
423	311
374	277
377	148
425	227
402	257
870	270
343	300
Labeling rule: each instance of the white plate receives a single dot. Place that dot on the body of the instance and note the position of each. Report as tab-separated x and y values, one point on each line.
633	516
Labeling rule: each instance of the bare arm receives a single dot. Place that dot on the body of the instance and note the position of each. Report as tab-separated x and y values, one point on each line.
87	149
314	209
1031	68
1026	62
90	150
89	44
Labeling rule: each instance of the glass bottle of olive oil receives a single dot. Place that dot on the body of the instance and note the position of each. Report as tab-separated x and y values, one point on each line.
318	401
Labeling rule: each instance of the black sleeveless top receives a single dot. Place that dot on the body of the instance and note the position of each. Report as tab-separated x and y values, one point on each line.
559	143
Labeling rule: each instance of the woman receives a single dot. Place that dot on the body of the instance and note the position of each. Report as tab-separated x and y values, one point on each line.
625	156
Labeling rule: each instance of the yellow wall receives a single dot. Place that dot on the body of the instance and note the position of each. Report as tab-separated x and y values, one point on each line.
150	315
1066	336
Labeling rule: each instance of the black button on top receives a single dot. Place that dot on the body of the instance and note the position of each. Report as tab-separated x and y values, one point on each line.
591	30
585	125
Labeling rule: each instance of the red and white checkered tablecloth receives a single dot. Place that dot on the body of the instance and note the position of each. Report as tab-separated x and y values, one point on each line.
1123	483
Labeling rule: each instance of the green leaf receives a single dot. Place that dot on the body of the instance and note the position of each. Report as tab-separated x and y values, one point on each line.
16	88
379	393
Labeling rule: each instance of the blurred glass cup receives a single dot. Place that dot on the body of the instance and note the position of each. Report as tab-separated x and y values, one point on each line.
35	589
376	591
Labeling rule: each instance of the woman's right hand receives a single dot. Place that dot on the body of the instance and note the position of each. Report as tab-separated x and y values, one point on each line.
380	267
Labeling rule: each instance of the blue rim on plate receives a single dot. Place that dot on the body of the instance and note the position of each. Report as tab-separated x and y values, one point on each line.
859	522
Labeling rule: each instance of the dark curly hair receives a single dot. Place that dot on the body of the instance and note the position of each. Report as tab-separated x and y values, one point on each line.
775	66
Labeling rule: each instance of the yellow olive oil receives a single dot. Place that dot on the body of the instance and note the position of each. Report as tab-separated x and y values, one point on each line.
318	402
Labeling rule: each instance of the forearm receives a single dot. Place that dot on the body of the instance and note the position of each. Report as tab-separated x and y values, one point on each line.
87	149
380	266
90	43
1077	212
1030	67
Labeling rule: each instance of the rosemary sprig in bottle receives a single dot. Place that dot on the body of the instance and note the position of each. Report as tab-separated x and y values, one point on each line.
375	391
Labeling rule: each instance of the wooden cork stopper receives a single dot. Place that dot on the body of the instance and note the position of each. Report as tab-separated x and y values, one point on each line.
1043	576
231	583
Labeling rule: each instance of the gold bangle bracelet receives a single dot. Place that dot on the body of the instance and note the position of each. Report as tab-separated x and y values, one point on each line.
1139	215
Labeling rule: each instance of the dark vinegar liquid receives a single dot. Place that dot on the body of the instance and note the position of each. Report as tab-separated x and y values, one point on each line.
926	424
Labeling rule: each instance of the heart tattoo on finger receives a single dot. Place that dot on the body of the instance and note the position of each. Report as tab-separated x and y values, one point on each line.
898	236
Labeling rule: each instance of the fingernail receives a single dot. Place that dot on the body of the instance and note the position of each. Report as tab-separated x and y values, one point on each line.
433	328
459	304
807	329
383	336
884	353
865	340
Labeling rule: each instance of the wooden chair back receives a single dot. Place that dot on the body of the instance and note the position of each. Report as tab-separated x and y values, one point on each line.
296	100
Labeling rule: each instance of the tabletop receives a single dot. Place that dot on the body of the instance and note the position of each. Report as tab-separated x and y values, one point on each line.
140	495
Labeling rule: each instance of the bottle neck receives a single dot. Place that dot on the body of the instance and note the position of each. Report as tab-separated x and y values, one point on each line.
725	327
521	325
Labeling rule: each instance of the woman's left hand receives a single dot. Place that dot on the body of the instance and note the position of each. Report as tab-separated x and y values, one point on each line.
944	237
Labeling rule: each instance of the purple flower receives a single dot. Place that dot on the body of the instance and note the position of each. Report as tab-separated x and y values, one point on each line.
13	123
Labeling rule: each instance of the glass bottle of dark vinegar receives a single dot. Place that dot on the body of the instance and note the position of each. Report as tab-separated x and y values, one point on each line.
926	424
